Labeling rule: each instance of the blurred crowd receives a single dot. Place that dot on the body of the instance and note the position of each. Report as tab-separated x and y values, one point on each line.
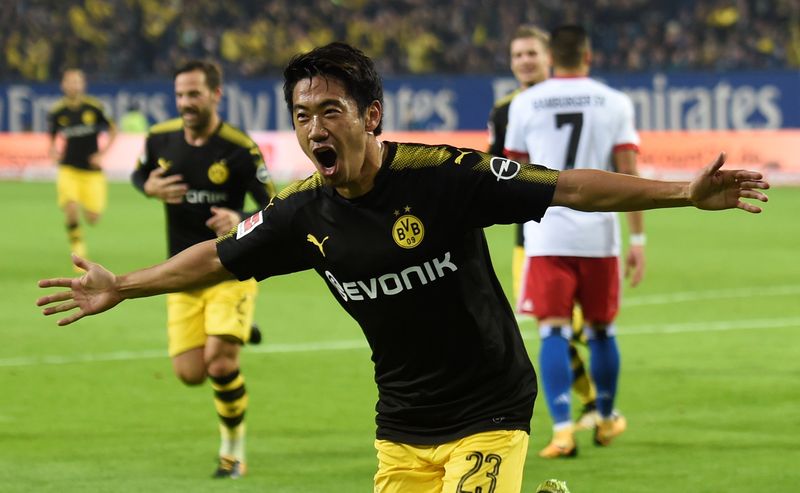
142	39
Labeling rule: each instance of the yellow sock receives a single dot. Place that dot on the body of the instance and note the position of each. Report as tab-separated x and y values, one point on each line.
230	400
76	244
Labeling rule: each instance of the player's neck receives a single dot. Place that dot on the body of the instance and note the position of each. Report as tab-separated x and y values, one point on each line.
570	73
526	85
198	137
74	100
373	160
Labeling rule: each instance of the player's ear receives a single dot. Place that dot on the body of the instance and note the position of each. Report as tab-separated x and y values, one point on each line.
373	116
216	94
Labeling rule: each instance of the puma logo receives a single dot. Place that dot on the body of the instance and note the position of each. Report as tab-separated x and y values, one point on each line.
461	155
314	241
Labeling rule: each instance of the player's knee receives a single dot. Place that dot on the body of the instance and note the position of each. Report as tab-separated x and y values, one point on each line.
191	376
92	217
221	355
555	326
599	330
220	367
71	212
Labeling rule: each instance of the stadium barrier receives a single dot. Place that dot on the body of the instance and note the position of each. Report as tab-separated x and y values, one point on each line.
673	155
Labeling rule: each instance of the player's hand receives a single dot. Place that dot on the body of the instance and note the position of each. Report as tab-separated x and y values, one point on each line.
634	265
94	292
170	189
717	189
222	220
55	155
95	160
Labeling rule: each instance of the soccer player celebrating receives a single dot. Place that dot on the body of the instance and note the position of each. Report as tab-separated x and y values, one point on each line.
571	121
80	184
396	232
201	168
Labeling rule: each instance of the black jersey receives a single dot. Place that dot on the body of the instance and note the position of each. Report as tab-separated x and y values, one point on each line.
218	173
498	122
409	262
80	124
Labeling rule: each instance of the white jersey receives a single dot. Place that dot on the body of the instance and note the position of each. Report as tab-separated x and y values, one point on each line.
565	123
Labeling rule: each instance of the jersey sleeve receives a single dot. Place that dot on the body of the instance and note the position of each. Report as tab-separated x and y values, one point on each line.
515	130
263	245
506	191
104	120
52	123
260	185
144	165
482	189
497	132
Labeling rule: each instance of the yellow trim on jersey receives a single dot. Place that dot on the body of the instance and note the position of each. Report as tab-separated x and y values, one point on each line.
167	126
506	100
88	100
421	156
416	156
531	173
58	105
233	134
92	101
310	183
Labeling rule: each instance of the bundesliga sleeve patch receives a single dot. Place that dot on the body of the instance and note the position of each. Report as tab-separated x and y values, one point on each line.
249	224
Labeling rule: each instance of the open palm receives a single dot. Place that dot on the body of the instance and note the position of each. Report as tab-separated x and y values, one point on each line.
92	293
717	189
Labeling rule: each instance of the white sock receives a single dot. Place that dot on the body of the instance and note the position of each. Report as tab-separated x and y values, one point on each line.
232	441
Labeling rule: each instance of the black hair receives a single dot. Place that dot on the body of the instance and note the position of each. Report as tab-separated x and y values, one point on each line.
568	43
342	62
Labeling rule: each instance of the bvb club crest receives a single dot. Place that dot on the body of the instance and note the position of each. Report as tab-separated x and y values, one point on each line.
88	117
218	172
407	230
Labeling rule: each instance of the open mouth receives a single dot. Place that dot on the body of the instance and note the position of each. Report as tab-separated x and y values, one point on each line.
189	115
326	157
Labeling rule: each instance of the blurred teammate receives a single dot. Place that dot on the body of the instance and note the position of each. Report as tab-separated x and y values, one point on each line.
572	121
530	64
396	232
80	183
202	168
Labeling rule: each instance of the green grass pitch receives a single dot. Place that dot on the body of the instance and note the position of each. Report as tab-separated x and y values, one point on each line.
710	345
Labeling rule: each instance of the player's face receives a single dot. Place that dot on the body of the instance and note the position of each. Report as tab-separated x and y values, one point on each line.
196	102
333	133
530	61
73	83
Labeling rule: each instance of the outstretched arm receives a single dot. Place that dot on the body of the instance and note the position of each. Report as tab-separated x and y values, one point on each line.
712	189
99	289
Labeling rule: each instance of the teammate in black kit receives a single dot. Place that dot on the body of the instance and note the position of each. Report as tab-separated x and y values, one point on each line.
81	185
201	168
395	230
530	64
